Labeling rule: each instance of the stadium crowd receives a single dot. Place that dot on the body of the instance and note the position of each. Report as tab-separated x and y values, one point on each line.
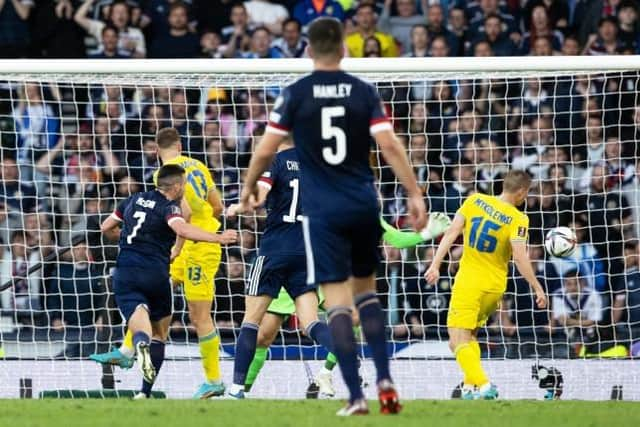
69	152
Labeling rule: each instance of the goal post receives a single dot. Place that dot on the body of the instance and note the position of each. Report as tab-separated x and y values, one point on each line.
78	135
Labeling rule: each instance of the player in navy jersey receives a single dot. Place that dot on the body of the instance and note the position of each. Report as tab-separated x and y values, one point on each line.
333	117
149	223
281	262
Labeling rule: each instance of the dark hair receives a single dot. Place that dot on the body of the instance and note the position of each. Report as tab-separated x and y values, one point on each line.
376	41
610	19
261	28
109	27
178	5
294	21
325	37
366	5
493	15
423	26
166	137
169	175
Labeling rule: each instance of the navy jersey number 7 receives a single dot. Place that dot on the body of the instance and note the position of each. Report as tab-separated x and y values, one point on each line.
332	116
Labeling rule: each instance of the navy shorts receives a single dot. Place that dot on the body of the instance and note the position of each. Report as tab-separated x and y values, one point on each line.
341	246
135	286
270	273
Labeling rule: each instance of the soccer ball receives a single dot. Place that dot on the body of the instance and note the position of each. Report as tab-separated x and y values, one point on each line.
560	242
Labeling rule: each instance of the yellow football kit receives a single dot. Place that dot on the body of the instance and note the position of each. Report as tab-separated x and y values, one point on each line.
198	263
490	226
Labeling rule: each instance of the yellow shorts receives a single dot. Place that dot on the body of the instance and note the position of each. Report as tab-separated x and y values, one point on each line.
470	307
196	269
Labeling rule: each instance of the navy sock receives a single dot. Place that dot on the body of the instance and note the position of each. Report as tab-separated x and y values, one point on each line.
372	321
140	338
157	357
320	333
344	343
245	351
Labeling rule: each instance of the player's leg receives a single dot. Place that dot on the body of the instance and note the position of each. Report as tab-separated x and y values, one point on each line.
462	320
255	309
489	303
318	331
200	267
365	256
269	327
160	330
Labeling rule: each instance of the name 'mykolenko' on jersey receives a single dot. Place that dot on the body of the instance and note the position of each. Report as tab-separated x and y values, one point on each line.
332	116
283	232
146	238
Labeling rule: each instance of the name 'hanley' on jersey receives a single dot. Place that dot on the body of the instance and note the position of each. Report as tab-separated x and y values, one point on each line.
340	90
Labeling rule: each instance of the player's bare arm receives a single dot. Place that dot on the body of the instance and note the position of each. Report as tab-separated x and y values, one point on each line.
236	209
215	201
396	156
450	236
260	161
523	264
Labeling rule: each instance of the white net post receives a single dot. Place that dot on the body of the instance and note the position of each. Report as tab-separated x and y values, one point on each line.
79	136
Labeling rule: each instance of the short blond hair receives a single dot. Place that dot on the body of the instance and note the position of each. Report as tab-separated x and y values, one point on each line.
516	180
166	137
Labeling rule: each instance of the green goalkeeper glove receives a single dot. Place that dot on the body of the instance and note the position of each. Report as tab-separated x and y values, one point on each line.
437	225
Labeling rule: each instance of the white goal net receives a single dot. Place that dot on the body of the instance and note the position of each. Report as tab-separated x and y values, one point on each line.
76	140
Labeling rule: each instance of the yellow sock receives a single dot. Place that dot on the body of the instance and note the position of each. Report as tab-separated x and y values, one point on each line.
469	362
476	347
127	344
210	352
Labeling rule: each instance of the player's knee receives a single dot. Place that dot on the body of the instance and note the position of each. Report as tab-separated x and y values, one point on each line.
264	339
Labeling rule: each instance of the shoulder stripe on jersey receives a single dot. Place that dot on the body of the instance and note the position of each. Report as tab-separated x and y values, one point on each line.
264	183
276	130
173	218
116	215
378	120
379	127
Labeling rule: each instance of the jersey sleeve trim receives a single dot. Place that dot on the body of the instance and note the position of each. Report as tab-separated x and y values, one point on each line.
265	182
173	218
116	215
277	129
380	126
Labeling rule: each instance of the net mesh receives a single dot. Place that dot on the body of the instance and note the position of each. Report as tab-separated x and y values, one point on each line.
75	144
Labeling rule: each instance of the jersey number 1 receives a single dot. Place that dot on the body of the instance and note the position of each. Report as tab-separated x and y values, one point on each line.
329	132
291	218
141	216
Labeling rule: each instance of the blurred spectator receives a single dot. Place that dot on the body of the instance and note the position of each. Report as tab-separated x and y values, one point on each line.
130	39
236	36
400	26
457	25
541	28
76	294
486	8
260	46
210	43
23	298
37	125
109	46
519	310
419	47
541	46
556	10
227	178
628	29
366	27
54	33
14	29
263	13
306	11
626	290
292	44
372	48
179	41
437	28
17	196
501	44
439	47
230	293
576	306
606	41
607	214
189	130
143	167
155	20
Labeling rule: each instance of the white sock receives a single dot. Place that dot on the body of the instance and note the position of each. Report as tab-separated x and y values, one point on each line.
236	388
324	371
484	388
426	234
467	388
127	351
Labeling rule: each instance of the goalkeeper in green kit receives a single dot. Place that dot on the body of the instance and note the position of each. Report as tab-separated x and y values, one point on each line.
283	307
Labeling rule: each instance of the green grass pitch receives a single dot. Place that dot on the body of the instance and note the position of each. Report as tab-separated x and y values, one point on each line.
301	413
